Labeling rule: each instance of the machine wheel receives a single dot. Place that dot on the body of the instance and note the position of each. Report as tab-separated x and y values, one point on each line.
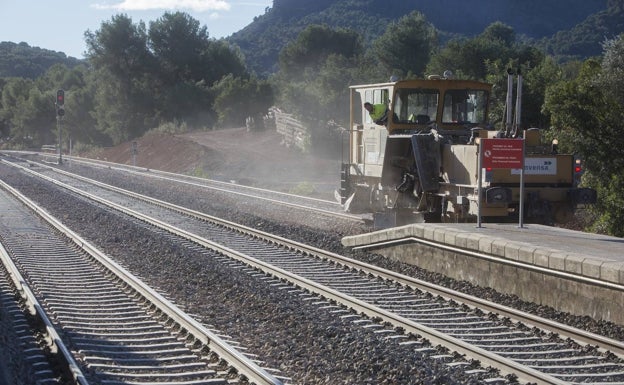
434	215
562	212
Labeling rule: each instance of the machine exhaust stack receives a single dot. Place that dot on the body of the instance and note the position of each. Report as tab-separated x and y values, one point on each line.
518	106
508	103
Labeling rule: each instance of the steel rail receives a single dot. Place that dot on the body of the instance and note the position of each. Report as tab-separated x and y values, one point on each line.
53	339
506	366
242	364
174	176
169	176
604	343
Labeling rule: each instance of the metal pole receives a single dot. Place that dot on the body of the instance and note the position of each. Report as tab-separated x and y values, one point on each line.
479	184
516	125
60	142
521	220
508	100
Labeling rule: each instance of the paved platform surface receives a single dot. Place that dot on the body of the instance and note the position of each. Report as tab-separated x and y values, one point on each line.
588	244
591	255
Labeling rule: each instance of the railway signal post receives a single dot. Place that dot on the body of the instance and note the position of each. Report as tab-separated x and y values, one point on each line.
60	112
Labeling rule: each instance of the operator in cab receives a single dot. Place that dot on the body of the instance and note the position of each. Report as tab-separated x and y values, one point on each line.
377	112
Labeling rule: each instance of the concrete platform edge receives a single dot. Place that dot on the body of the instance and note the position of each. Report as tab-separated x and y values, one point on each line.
570	271
494	240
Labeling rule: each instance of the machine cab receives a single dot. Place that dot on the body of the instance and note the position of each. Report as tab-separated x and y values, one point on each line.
450	106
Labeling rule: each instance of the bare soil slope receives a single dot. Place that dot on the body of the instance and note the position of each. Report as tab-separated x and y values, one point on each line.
255	158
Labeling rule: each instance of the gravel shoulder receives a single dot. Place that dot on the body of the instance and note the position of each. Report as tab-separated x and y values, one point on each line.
254	158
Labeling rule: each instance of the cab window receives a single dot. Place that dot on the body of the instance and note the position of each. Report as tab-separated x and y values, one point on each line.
375	96
465	106
415	105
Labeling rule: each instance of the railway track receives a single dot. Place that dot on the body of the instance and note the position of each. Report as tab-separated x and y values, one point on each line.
117	330
319	206
405	303
22	337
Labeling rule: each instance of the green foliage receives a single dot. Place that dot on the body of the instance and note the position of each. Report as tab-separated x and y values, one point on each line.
78	122
187	64
606	216
470	57
200	172
315	76
22	60
120	47
583	40
406	46
588	116
262	40
137	79
177	42
161	75
84	149
123	101
314	45
28	112
612	76
122	109
174	127
487	57
303	188
238	98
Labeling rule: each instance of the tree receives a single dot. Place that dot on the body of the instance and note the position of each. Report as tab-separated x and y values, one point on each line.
315	71
314	45
22	60
501	32
28	112
487	57
14	93
470	57
222	60
239	98
406	46
188	64
612	75
178	43
124	100
120	47
163	75
587	113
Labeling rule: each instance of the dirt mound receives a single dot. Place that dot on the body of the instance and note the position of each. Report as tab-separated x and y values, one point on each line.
255	158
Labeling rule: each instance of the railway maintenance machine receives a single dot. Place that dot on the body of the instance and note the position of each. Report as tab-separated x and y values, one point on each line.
420	163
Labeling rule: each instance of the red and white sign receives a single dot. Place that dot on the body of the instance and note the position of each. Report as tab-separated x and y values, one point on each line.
502	153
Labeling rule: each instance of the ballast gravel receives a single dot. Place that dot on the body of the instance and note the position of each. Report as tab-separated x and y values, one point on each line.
325	234
306	340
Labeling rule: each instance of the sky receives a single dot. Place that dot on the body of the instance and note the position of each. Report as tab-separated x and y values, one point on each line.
60	25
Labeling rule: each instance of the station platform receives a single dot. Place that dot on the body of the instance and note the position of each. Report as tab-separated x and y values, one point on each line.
570	270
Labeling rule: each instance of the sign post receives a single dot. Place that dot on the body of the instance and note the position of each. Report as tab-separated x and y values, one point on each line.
501	153
521	214
479	184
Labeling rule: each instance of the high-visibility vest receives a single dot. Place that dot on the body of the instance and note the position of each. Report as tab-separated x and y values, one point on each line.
379	110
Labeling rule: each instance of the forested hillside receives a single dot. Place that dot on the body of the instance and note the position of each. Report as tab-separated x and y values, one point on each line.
262	40
22	60
566	28
582	39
